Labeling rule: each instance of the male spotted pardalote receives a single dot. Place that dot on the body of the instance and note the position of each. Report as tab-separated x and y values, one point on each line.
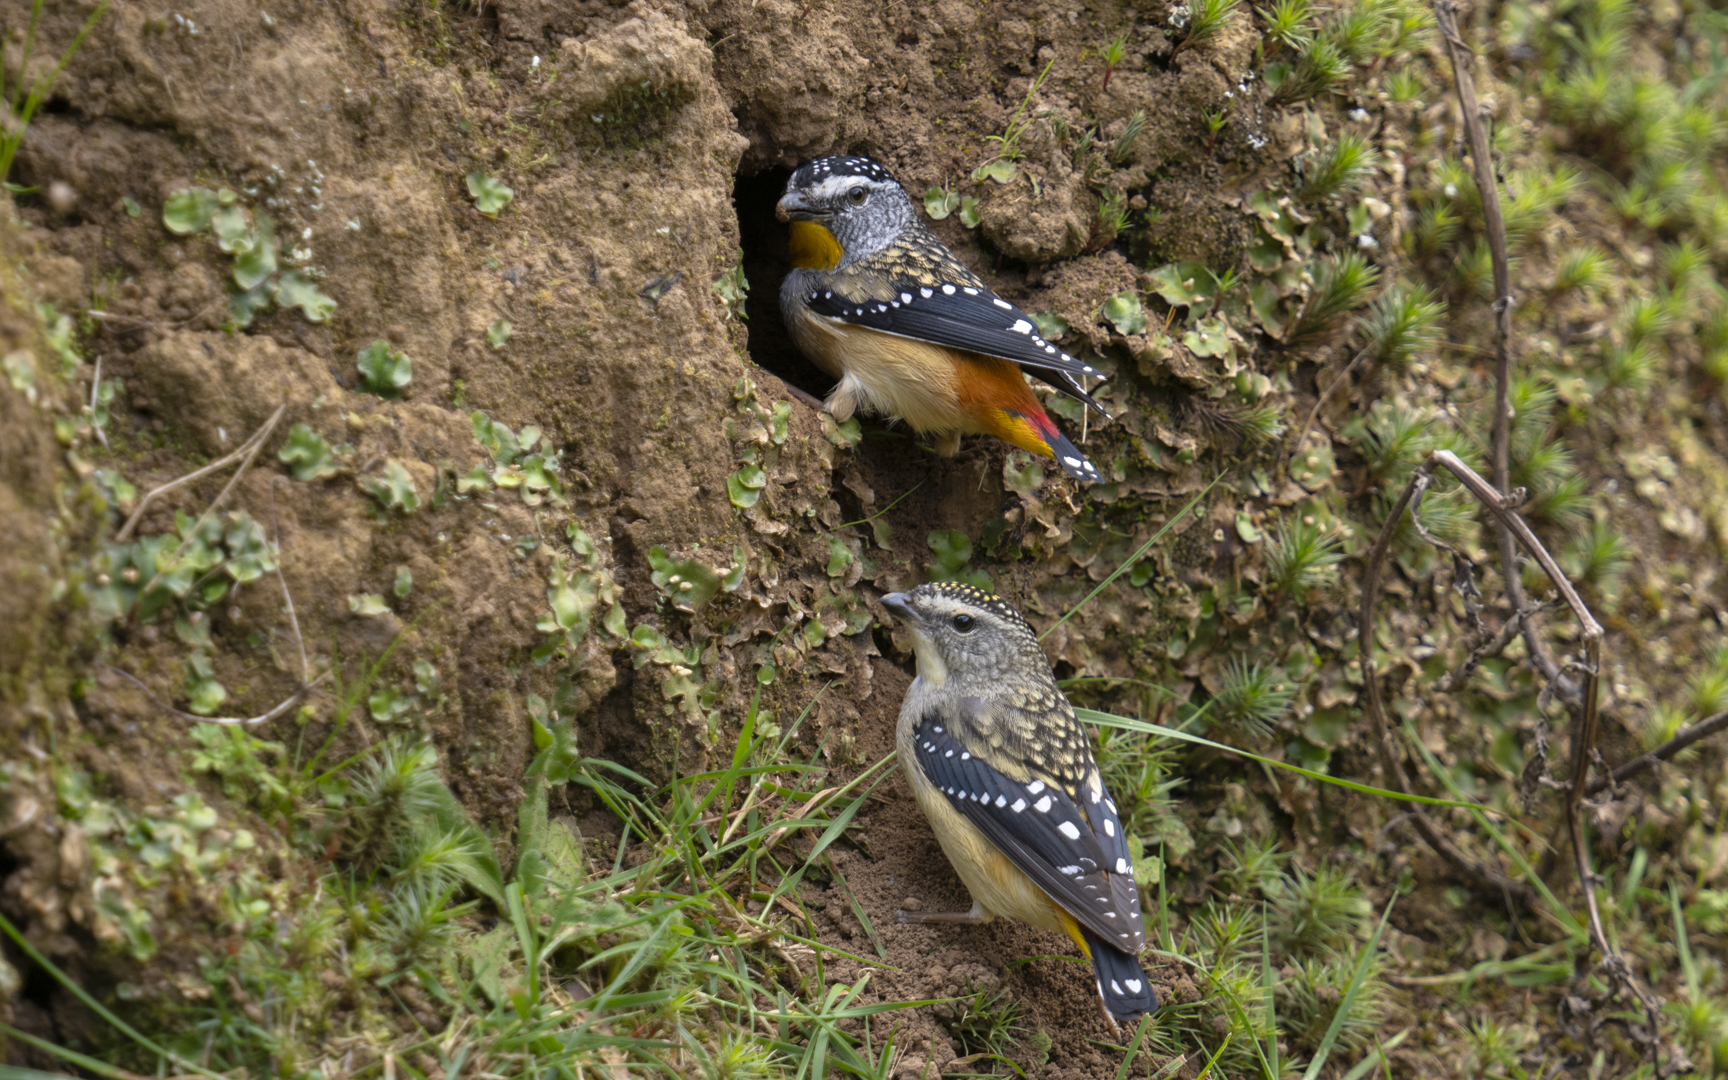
1004	771
878	302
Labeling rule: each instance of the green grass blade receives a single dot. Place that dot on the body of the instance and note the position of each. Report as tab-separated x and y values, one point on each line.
1133	1047
1378	1057
1344	1003
526	938
1213	1060
1104	719
857	909
96	1006
1268	983
1561	912
15	1072
1688	966
1128	564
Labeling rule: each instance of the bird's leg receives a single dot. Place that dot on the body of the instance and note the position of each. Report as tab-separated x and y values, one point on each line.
1115	1028
973	917
806	397
946	444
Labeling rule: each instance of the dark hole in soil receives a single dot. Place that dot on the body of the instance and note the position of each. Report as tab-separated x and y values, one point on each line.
765	264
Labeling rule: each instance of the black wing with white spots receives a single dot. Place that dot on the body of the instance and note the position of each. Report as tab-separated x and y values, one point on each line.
1082	865
917	290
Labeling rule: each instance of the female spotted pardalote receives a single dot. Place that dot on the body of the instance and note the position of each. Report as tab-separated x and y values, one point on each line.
1004	771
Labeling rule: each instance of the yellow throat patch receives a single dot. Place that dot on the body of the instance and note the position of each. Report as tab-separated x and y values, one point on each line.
814	247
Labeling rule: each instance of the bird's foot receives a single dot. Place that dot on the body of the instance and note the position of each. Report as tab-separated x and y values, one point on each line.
806	397
976	915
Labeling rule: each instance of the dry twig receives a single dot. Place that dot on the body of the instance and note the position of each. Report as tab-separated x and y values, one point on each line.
246	450
282	707
1584	702
1586	730
1325	396
1486	879
1688	735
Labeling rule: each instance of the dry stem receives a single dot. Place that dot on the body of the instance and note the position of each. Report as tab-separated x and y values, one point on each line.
1688	735
247	450
1486	879
1613	963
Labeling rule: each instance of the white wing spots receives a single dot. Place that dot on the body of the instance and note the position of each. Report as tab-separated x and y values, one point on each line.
858	311
1021	326
1069	870
1001	800
1109	827
1107	802
966	756
1116	986
1050	349
926	292
895	303
883	307
1035	786
1121	866
963	795
1001	303
1106	900
1074	463
1133	985
1042	805
827	296
1069	829
1019	805
1096	785
905	298
949	754
969	290
939	731
948	290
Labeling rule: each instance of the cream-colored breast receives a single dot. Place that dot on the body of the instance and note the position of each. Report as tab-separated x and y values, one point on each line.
990	876
886	375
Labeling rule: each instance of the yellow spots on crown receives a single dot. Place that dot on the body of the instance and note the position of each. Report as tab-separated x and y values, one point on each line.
970	593
814	247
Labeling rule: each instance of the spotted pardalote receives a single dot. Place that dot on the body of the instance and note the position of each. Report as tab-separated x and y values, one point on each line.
878	302
1004	772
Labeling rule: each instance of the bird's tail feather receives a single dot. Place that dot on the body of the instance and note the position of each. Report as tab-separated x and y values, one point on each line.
1122	983
1073	462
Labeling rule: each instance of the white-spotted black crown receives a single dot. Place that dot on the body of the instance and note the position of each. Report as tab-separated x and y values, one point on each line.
814	171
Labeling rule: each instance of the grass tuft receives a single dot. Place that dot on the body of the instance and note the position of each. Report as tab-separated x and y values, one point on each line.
1301	557
1341	284
1253	696
1318	911
1289	23
1401	323
1209	19
1341	168
1581	269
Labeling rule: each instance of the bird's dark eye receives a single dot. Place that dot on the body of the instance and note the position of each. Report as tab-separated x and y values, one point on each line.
857	195
963	623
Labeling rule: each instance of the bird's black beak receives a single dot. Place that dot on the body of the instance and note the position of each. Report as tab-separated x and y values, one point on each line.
900	605
794	207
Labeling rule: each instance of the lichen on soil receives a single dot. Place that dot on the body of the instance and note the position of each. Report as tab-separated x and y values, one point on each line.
601	521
